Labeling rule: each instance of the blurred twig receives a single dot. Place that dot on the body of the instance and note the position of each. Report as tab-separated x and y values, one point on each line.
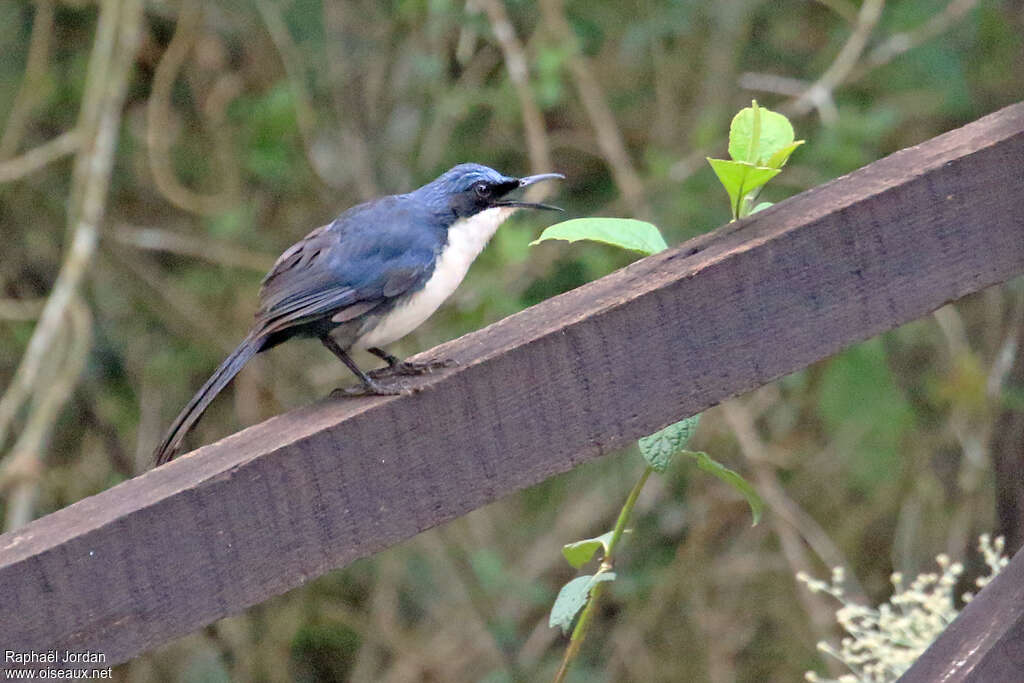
482	607
820	95
515	64
1008	427
37	157
220	253
116	39
954	331
729	26
844	8
150	426
853	63
183	312
789	521
468	91
158	125
609	137
22	466
35	68
773	83
175	304
666	123
305	114
972	428
1006	354
356	140
900	43
383	608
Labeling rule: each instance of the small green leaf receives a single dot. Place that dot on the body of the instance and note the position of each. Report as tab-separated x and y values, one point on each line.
740	179
580	552
659	448
572	598
760	207
619	232
779	158
757	133
742	486
569	602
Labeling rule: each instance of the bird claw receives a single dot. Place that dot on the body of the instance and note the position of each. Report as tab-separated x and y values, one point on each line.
373	389
412	368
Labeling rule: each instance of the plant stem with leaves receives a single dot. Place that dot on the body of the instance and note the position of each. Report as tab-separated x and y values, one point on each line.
760	143
607	564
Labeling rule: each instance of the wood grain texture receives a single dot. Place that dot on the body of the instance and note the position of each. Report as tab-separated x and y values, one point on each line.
566	381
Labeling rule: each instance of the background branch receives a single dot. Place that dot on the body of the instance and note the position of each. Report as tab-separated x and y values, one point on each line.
609	138
38	157
175	242
305	114
537	143
35	69
117	36
819	95
901	43
22	467
159	125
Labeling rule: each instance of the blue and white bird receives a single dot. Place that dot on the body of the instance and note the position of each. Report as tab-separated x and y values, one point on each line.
370	277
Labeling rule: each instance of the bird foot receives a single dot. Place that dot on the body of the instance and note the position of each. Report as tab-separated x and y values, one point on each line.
371	389
411	368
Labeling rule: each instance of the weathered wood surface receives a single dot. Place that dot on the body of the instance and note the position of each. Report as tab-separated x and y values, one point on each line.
566	381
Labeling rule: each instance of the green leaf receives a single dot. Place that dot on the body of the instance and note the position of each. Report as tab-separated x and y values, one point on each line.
740	179
779	158
572	598
580	552
760	207
757	133
742	486
569	602
619	232
659	448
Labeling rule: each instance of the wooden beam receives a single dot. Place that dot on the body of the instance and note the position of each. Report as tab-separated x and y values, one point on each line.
566	381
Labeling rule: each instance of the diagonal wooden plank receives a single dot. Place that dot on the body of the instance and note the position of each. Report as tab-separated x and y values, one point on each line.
564	382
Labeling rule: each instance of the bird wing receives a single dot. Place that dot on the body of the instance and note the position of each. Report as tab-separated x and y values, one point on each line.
370	254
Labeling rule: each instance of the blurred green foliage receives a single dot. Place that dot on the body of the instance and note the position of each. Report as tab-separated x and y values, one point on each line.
858	399
881	453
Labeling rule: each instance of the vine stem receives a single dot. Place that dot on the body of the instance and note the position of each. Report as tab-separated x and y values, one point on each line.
580	632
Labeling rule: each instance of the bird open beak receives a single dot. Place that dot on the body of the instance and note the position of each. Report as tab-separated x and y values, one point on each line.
531	179
527	181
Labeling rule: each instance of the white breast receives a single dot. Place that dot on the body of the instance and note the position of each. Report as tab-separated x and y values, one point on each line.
467	237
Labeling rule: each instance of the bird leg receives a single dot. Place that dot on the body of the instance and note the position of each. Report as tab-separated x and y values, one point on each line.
369	386
405	367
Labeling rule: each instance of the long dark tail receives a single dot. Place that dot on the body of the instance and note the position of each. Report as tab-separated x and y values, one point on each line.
195	408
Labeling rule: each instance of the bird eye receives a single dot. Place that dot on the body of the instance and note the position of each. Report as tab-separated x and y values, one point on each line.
483	190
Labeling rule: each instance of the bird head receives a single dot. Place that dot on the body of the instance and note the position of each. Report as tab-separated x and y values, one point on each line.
469	189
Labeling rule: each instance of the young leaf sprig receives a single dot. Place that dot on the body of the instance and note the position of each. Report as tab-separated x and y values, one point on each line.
760	143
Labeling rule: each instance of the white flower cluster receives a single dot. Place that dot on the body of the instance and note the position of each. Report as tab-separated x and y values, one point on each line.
882	643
